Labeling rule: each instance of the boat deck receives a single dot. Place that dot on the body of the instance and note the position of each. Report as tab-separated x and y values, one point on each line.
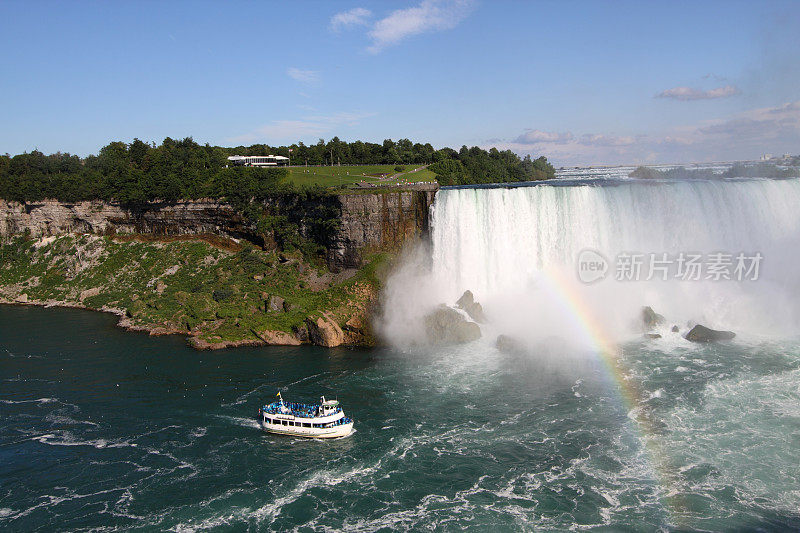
299	410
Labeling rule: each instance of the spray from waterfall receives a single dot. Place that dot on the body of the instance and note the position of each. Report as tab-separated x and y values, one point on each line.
501	243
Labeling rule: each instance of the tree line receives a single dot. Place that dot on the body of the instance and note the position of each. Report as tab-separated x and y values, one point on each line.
137	173
134	174
757	170
463	167
474	165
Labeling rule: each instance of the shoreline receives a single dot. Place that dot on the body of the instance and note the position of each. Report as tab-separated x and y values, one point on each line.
192	340
214	298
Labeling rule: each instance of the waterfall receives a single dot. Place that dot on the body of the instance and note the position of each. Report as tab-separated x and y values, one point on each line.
516	249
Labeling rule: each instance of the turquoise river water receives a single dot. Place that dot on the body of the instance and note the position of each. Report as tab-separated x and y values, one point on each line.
102	429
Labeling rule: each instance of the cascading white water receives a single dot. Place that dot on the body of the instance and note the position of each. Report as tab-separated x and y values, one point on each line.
517	249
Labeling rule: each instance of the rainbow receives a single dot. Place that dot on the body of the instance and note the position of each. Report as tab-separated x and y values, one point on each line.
578	313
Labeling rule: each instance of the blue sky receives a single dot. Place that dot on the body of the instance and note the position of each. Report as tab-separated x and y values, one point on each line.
580	82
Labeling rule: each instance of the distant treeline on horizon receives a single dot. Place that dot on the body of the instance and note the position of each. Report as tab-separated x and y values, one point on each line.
136	173
758	170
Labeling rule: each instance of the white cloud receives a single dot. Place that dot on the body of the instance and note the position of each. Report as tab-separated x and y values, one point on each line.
595	139
294	130
429	15
539	136
744	135
764	123
304	76
688	93
357	16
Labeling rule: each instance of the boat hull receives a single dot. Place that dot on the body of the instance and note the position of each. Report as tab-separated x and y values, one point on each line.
342	430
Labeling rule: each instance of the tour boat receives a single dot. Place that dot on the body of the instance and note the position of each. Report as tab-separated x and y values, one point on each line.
325	420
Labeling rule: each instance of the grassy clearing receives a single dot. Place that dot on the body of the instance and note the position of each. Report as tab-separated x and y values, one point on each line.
351	174
189	287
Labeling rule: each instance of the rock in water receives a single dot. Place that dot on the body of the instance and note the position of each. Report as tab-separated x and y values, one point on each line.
466	299
701	333
474	309
652	335
675	329
445	325
650	318
509	345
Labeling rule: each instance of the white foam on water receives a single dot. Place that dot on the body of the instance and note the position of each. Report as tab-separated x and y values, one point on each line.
241	421
38	400
742	429
66	438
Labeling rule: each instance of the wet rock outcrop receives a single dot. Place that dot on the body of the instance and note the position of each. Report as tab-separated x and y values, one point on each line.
446	325
700	333
473	309
650	319
509	345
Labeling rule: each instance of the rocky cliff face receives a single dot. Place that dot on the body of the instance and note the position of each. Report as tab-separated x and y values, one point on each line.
368	221
56	218
378	221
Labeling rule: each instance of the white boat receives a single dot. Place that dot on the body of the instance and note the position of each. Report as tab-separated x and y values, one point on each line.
325	420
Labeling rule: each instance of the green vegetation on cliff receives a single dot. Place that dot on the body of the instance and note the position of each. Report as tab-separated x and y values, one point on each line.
348	175
223	293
